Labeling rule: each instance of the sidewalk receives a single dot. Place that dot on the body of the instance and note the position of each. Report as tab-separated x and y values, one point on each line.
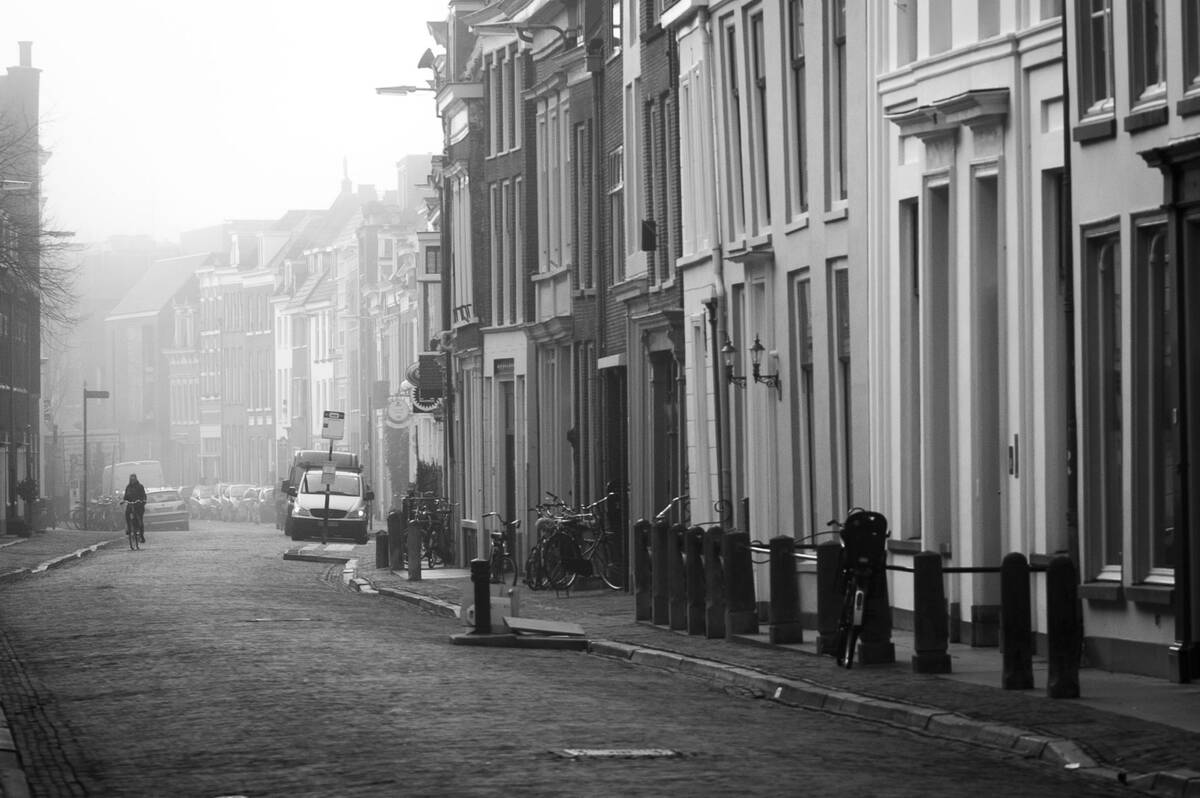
1142	731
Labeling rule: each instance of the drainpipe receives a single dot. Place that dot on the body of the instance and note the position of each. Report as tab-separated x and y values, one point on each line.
718	307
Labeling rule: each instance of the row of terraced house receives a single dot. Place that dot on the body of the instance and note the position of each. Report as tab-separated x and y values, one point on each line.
786	257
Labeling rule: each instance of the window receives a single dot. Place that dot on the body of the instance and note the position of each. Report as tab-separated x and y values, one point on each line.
497	254
1146	75
614	40
941	26
1095	56
1102	433
616	212
433	260
842	387
988	13
516	296
733	132
1157	396
758	119
805	511
798	171
835	99
1191	43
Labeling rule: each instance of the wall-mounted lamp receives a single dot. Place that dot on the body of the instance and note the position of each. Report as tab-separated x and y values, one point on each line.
727	353
756	353
404	90
524	31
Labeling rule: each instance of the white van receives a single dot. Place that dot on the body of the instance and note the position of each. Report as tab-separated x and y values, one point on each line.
347	515
116	476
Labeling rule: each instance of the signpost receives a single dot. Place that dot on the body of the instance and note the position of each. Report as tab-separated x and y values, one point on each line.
333	426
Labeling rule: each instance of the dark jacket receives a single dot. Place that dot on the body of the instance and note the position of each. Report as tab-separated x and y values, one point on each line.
135	492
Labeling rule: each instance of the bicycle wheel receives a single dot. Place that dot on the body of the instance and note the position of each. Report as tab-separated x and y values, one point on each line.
535	570
508	571
603	566
131	534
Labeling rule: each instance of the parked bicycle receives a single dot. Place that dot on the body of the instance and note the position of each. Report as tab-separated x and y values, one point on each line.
572	543
864	535
431	515
503	566
135	528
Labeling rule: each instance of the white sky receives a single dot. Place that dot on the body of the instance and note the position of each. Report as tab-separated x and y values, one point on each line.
165	115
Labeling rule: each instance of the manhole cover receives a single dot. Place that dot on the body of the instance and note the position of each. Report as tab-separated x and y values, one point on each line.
618	753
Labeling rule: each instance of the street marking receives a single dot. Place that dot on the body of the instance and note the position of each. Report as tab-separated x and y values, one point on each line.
618	753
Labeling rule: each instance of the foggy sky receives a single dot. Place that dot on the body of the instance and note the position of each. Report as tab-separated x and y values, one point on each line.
165	116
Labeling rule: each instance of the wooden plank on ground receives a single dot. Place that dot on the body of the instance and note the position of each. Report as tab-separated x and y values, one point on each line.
539	627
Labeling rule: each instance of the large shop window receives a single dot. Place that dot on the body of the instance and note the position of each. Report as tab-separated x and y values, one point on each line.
1103	424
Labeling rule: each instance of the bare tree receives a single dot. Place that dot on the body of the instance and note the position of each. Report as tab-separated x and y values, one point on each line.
36	260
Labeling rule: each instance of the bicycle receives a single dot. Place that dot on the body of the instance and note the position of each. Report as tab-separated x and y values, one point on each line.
575	553
502	564
430	515
135	527
542	560
863	537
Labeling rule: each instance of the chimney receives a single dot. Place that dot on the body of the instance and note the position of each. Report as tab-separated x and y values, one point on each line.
26	53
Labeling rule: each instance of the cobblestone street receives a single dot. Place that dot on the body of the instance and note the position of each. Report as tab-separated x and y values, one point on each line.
206	665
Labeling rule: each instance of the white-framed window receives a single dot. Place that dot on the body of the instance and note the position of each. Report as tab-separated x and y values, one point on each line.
517	295
1156	399
941	26
735	199
581	201
839	303
1103	423
760	137
496	223
1147	76
1094	32
554	175
906	32
616	212
634	138
798	135
835	99
1191	44
804	453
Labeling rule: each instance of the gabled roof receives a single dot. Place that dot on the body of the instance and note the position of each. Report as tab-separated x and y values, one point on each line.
154	290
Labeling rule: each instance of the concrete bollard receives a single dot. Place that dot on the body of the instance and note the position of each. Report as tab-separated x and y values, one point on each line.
659	604
783	618
481	578
676	586
931	623
693	565
829	601
1064	629
641	570
714	584
1016	623
741	612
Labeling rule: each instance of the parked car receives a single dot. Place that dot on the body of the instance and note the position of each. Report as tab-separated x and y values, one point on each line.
231	500
203	502
266	505
165	509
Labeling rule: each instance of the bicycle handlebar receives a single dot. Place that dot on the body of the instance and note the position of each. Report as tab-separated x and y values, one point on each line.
661	514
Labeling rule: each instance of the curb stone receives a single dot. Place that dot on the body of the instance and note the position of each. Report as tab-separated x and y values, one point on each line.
12	777
54	563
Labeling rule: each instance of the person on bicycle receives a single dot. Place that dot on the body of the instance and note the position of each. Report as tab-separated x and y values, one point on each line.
135	497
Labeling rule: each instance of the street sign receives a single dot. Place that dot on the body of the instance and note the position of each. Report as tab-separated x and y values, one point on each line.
328	471
333	425
95	394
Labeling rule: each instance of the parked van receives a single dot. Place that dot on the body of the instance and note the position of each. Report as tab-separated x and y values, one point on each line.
116	476
302	461
337	509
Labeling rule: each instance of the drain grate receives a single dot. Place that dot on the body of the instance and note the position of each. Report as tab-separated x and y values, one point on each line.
618	753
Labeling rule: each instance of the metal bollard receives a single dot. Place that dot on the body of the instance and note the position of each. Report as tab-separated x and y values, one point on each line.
481	579
783	620
1064	629
659	606
829	602
676	587
931	623
1016	624
693	547
741	612
641	570
714	584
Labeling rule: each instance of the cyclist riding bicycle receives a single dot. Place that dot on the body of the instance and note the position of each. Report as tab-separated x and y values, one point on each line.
135	504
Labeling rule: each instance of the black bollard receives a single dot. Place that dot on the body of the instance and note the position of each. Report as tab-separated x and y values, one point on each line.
659	605
829	601
693	564
714	584
931	624
381	549
676	587
481	578
1016	623
641	570
1064	629
783	618
397	538
741	612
